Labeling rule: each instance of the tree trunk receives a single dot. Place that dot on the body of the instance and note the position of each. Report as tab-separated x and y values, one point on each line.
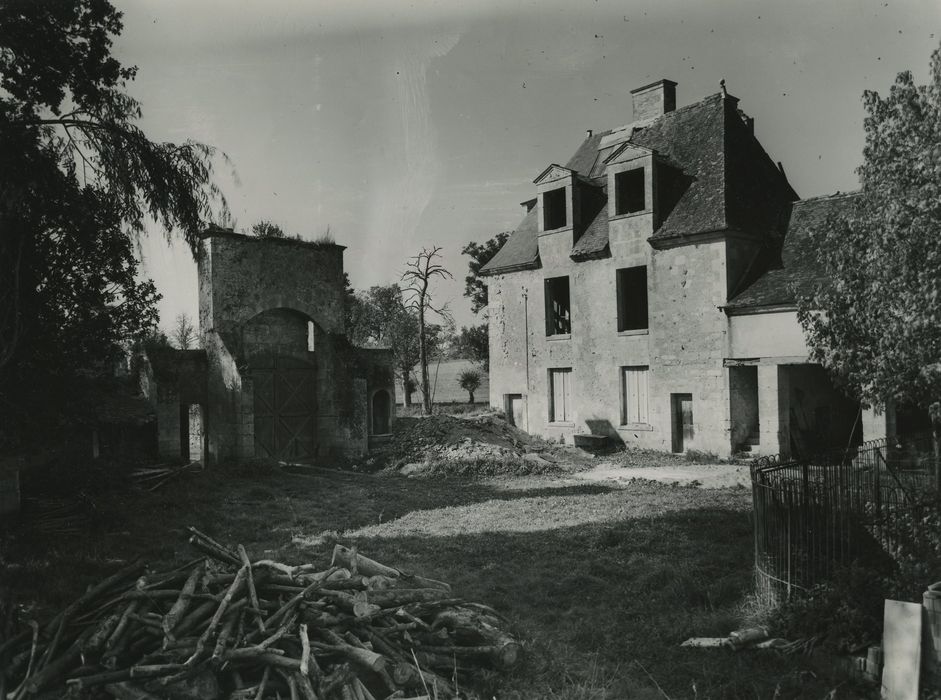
935	411
471	397
423	359
406	393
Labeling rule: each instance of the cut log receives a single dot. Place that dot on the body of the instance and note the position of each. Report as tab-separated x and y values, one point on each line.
126	691
470	623
395	597
172	618
369	567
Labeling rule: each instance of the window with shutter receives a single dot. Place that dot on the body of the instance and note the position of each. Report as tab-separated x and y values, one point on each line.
634	396
560	396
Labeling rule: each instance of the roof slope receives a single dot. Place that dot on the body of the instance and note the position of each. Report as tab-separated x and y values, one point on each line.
726	181
521	249
799	267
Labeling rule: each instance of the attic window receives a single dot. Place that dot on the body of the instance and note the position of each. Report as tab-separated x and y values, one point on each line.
632	298
553	209
558	307
630	196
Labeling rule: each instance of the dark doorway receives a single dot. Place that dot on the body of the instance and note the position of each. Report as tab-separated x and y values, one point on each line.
381	412
514	410
743	408
285	407
682	411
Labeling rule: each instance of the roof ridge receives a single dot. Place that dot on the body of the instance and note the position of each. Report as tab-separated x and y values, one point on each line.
835	195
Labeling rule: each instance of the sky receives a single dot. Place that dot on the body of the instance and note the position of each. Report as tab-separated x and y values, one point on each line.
401	125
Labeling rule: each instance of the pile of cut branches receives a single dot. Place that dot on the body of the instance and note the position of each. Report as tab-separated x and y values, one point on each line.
224	626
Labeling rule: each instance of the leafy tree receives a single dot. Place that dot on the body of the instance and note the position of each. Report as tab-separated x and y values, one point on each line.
480	254
379	317
876	318
267	229
421	271
469	380
79	181
184	333
473	344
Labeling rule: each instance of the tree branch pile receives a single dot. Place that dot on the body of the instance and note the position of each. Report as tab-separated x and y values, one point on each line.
222	626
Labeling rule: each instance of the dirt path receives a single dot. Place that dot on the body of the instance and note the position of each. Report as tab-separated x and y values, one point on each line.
706	476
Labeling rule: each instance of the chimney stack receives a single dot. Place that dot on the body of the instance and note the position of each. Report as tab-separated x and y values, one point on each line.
654	100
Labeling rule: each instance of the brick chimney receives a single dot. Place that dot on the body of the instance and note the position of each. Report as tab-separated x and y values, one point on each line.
654	100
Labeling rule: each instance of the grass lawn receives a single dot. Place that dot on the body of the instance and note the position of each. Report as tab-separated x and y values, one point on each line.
602	584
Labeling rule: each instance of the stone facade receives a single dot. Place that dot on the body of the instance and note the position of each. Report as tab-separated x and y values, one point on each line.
280	379
719	366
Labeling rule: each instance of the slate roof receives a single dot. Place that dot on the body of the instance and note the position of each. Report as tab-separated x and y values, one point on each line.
729	182
798	267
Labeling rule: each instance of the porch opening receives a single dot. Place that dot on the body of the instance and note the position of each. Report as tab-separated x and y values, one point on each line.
743	408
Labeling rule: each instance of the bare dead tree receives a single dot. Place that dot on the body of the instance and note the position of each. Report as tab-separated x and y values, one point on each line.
421	270
184	333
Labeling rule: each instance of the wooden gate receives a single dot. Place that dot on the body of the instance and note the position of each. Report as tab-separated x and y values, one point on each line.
285	407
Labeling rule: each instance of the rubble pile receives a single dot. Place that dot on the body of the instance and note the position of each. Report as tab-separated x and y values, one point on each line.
482	444
222	626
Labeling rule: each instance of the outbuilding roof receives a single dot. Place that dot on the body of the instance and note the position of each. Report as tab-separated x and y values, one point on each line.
798	267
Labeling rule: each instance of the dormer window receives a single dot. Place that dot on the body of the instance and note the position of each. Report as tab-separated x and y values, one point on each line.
553	209
630	192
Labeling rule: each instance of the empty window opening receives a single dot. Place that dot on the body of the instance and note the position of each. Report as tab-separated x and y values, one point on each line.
560	396
558	306
381	412
310	336
634	396
553	209
630	195
632	298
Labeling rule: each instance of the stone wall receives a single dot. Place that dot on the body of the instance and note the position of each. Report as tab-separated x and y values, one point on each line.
250	275
262	297
683	348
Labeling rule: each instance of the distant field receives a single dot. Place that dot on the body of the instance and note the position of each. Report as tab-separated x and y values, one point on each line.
445	388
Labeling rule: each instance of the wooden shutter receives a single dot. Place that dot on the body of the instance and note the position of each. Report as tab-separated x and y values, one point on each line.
561	386
635	395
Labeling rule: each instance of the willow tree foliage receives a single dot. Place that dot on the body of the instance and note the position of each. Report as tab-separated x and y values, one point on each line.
79	182
875	320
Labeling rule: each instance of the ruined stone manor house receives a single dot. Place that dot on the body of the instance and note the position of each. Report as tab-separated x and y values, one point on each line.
649	293
276	377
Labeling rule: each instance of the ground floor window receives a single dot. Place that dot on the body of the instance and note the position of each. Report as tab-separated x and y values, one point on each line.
634	395
560	396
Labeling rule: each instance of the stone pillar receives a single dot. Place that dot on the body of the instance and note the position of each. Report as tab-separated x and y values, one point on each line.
773	409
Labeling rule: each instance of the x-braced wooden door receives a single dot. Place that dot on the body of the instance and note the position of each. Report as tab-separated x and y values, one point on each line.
285	407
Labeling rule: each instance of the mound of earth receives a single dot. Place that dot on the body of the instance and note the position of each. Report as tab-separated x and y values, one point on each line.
478	445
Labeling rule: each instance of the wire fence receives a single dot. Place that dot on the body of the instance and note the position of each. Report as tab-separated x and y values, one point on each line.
813	516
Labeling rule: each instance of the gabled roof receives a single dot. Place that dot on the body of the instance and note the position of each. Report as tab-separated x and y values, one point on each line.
798	269
553	166
727	182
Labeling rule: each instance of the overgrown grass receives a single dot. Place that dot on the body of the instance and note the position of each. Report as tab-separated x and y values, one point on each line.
601	584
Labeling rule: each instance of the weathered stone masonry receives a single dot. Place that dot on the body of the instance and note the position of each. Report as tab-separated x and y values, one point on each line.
281	380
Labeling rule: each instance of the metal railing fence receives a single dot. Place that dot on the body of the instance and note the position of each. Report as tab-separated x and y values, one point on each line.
815	515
